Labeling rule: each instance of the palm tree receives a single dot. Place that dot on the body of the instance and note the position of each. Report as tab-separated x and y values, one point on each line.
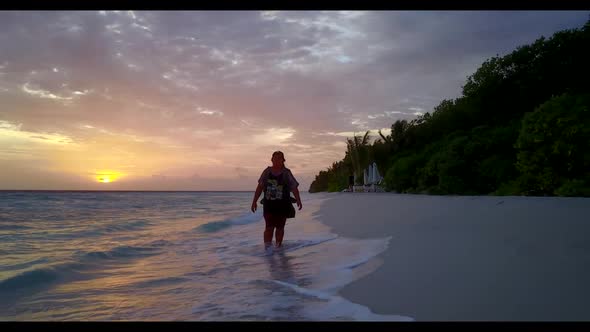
357	148
386	139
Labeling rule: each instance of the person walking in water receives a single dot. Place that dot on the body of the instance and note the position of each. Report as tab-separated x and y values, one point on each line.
276	182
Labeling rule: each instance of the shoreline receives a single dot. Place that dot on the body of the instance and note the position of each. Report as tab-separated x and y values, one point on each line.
469	258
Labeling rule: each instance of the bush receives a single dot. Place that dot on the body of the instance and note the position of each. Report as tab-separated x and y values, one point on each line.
574	188
554	145
402	176
510	188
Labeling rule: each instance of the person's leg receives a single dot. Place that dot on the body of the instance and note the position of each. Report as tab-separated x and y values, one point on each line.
268	236
268	230
280	232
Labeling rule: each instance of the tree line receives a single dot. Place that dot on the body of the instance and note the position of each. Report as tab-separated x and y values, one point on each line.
520	127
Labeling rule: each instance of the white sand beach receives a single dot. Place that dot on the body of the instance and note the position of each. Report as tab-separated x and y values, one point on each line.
470	258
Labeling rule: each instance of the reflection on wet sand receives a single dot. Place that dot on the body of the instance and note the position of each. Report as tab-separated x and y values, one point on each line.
280	267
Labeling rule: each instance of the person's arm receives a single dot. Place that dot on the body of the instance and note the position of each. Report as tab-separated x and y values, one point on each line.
294	185
296	193
259	189
256	195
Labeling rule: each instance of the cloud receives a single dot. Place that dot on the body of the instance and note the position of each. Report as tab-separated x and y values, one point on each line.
206	111
273	136
203	89
42	93
12	134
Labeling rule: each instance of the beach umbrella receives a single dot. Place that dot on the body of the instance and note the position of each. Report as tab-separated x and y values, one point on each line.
377	175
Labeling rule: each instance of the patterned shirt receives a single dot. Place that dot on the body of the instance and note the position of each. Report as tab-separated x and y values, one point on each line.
264	181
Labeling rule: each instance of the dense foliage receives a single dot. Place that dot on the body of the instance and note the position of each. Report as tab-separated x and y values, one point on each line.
521	127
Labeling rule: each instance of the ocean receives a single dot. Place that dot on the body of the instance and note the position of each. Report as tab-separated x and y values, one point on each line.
168	256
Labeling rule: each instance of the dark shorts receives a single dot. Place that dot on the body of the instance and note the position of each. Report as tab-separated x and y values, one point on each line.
273	220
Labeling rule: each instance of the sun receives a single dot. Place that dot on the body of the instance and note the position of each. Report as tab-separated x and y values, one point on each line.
107	176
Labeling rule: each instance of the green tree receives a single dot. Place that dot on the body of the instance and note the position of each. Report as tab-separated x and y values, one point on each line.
507	134
554	145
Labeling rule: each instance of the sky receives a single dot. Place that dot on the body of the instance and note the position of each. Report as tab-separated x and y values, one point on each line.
191	100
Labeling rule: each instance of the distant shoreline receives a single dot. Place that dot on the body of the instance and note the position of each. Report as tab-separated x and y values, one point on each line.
388	193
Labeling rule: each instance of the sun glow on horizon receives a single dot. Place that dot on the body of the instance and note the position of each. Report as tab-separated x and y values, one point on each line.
107	176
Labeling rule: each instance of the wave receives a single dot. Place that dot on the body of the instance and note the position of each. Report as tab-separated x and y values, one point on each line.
160	282
337	307
150	249
214	226
126	226
120	226
288	246
13	227
29	279
294	245
82	261
24	265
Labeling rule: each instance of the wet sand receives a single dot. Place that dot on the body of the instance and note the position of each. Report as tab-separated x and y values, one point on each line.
470	258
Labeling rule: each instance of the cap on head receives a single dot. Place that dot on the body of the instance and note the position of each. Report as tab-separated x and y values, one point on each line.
280	153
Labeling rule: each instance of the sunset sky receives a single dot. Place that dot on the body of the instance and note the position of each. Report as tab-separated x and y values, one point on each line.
188	100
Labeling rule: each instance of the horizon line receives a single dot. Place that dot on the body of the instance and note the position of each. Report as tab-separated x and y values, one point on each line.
95	190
